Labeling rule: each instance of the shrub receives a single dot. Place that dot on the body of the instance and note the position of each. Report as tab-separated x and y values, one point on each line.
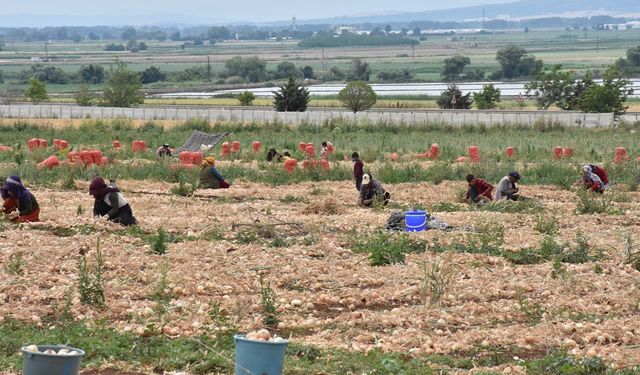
591	203
437	278
546	224
385	248
90	282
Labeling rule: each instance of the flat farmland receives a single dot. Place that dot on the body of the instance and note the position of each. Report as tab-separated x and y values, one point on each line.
517	287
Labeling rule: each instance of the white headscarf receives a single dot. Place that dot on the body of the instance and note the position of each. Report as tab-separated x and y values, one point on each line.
366	179
588	173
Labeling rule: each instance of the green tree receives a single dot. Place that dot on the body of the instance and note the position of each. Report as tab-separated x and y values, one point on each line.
633	56
37	91
453	67
122	87
610	96
357	96
307	72
85	97
291	97
246	98
218	33
551	87
360	71
334	74
129	33
287	69
515	61
487	98
253	69
92	74
152	74
417	31
452	98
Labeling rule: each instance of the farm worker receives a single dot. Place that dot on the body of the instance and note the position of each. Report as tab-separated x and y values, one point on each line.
210	178
273	155
600	172
164	151
358	169
479	190
324	154
592	181
507	188
19	204
109	203
372	190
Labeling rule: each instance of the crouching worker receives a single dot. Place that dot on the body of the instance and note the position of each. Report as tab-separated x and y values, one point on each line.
592	181
210	178
372	191
507	188
19	204
479	191
164	151
110	204
273	155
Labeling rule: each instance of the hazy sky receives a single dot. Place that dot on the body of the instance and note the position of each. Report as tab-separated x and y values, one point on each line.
226	10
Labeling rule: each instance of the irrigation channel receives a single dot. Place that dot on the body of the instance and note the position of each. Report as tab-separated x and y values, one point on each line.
512	89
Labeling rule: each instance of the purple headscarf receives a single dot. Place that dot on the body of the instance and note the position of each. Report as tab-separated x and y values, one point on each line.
99	188
14	186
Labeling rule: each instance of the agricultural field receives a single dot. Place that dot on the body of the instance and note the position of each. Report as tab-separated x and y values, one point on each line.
545	286
576	50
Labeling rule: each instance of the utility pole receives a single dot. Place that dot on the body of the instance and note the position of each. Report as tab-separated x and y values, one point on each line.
208	68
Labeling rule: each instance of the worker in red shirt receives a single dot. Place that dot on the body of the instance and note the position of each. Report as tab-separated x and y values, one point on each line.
479	190
358	169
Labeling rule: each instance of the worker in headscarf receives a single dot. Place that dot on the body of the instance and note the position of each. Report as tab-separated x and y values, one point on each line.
20	205
164	151
210	178
371	191
109	203
591	181
600	172
273	155
479	191
507	188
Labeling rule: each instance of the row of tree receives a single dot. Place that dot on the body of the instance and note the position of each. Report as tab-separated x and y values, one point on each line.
514	62
122	89
554	86
91	74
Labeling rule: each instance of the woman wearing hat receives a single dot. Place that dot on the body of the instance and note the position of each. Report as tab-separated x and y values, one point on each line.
507	188
164	151
210	178
19	204
110	204
371	190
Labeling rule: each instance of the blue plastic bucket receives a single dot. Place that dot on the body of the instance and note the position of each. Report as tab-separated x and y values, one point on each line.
415	221
51	364
259	357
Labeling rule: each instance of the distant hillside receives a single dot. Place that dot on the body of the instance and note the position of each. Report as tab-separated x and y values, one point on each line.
518	9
